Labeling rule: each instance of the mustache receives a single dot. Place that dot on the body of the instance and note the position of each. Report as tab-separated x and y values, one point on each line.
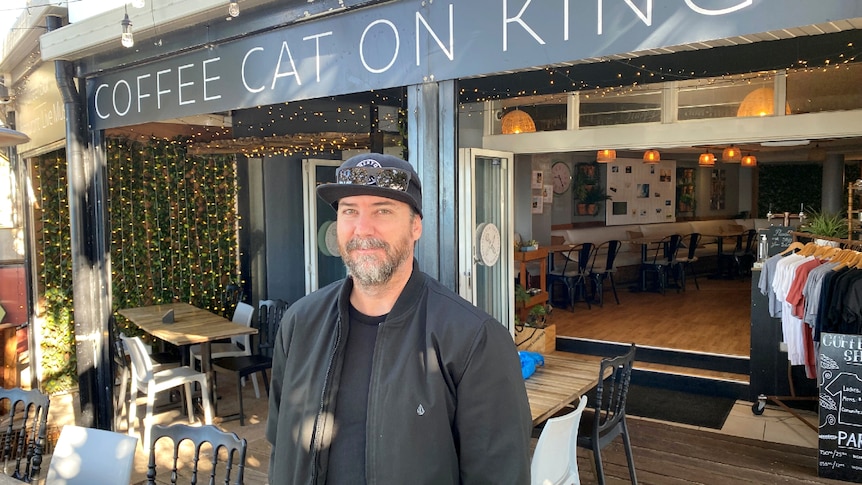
366	243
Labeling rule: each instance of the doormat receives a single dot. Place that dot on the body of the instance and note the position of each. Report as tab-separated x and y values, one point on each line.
676	406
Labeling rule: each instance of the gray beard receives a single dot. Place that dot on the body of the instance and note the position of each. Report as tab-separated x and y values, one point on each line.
367	270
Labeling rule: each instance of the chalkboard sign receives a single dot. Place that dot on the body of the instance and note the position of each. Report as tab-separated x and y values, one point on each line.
840	448
779	238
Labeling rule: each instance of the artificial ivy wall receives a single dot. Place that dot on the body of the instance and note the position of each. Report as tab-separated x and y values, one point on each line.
173	227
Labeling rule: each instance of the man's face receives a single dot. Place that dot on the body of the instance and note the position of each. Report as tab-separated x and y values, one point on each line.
375	237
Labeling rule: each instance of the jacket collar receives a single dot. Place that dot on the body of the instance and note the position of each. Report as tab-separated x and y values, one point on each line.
404	305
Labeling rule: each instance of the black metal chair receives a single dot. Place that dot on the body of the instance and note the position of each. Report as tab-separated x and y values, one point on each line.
574	273
609	250
25	414
685	264
605	419
270	313
233	294
745	253
234	453
661	263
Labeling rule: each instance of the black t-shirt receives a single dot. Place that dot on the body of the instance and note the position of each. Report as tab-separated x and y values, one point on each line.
347	451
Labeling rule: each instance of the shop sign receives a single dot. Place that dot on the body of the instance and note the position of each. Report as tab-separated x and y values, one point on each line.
840	448
40	111
413	42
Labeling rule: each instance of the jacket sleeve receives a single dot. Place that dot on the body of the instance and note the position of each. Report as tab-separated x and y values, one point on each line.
279	357
493	415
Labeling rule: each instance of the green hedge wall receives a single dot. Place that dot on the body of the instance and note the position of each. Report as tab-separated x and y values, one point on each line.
173	226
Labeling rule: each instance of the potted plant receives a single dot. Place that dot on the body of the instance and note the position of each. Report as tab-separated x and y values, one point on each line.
825	224
686	202
588	200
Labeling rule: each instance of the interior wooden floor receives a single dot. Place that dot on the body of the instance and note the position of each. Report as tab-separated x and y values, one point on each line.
713	320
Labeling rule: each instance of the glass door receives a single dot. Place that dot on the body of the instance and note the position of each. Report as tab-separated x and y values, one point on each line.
485	218
322	260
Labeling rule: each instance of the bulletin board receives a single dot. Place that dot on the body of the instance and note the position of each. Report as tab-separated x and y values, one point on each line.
641	193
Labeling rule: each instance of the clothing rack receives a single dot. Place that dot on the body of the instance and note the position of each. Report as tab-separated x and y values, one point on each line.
847	255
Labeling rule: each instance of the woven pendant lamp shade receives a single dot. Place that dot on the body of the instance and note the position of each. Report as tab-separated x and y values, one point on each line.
759	103
706	160
606	155
517	121
749	161
731	154
652	156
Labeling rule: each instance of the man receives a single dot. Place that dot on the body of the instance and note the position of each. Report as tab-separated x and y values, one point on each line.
387	377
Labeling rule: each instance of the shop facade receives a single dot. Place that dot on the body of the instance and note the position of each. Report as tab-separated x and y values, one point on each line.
270	69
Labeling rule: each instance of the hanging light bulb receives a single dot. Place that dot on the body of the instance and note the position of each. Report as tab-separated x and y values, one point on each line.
233	9
606	155
706	159
731	154
749	161
126	38
139	3
652	156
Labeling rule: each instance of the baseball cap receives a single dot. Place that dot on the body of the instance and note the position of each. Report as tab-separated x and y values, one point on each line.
374	174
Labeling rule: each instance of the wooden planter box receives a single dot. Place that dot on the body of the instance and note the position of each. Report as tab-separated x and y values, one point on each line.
541	340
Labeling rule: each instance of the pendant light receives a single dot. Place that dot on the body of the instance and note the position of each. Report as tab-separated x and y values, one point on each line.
606	155
706	159
749	161
731	154
517	121
652	156
126	38
233	9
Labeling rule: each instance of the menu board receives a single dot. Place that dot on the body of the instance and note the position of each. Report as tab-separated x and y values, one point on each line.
840	444
779	238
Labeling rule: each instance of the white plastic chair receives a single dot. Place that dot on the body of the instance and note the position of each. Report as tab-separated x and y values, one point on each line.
238	346
149	382
555	460
86	456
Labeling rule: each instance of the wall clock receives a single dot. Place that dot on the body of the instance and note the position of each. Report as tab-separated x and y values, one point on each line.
327	239
562	175
487	244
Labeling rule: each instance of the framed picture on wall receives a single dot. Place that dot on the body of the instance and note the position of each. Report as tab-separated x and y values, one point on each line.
548	194
537	204
538	180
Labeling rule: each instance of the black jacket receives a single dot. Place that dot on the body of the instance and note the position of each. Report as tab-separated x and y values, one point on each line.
446	403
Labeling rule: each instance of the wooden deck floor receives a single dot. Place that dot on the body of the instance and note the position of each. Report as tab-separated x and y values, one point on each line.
667	454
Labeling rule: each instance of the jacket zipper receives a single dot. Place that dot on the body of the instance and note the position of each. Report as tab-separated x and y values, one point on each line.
315	438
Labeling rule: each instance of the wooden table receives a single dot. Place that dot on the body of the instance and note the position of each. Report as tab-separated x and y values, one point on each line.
192	325
563	379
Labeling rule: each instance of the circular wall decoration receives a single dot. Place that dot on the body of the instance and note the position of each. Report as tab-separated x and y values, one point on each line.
562	175
321	238
332	240
487	244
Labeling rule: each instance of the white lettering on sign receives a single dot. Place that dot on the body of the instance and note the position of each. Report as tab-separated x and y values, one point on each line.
841	341
159	90
141	93
292	72
244	60
853	355
266	63
704	11
181	84
209	79
450	53
517	19
316	38
124	84
395	49
850	440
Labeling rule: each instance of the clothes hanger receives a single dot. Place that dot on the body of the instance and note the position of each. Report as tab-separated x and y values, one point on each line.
794	245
